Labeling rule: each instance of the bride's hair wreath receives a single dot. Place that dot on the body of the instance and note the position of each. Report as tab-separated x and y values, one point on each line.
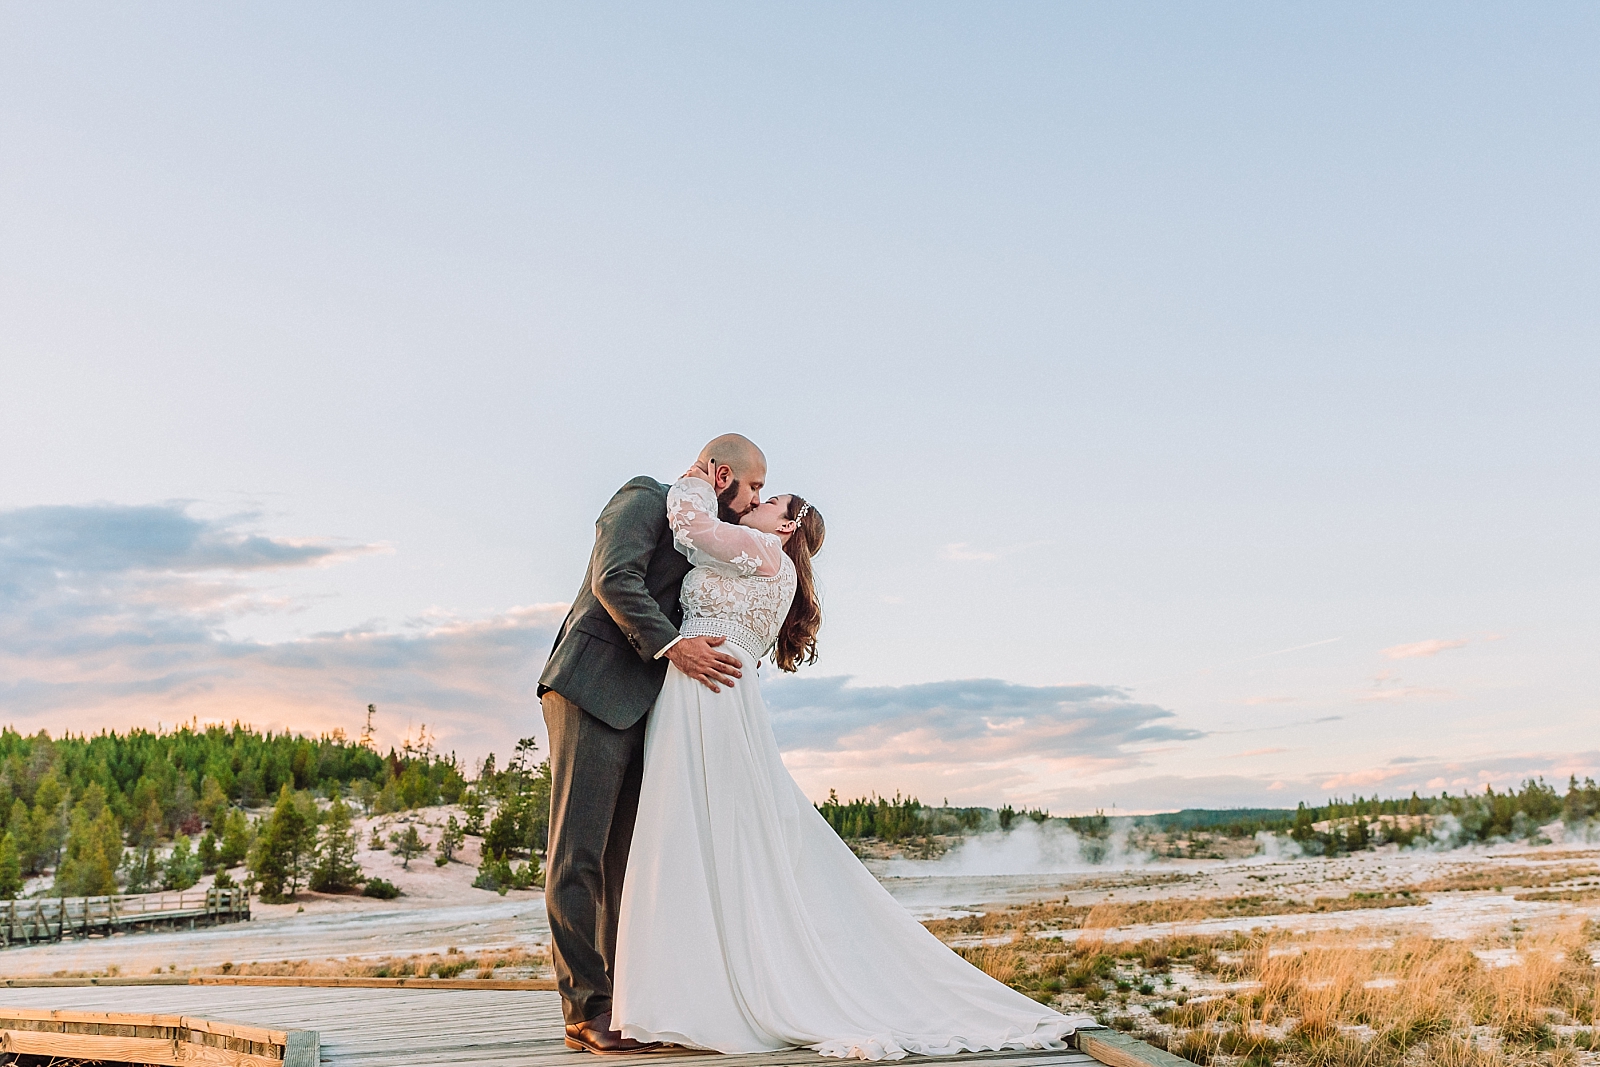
797	640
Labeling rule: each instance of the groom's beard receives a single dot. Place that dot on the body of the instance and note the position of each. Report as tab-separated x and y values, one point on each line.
724	511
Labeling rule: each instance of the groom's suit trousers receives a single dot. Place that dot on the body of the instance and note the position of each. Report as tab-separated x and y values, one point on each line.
595	773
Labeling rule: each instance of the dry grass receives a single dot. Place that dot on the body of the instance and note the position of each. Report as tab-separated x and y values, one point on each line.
1501	877
1111	915
1565	854
501	963
1563	896
1331	999
511	962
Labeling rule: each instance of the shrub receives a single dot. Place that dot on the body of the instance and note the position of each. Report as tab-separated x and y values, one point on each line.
497	875
381	888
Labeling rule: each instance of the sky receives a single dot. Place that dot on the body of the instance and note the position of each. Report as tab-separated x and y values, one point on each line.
1201	398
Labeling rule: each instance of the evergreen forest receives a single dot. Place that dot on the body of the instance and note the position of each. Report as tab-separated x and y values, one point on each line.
1338	826
142	811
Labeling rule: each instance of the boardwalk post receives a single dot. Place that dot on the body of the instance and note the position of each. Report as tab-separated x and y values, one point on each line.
302	1049
1115	1049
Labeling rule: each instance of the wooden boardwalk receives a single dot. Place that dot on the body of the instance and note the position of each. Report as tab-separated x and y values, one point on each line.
56	918
424	1027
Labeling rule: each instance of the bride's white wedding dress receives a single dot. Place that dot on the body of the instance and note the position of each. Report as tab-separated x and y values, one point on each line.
747	925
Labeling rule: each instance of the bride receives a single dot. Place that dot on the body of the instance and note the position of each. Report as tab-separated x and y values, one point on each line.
746	924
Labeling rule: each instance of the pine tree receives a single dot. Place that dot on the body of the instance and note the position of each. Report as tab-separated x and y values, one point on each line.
206	853
537	813
280	851
143	872
505	832
450	841
181	806
10	868
1302	831
407	845
389	799
213	802
235	839
366	795
148	821
181	869
336	869
20	827
472	808
48	820
93	849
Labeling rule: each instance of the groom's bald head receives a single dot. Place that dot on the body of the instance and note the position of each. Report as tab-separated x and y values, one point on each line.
738	452
740	471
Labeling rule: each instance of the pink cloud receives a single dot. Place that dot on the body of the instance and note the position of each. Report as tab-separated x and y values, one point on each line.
1405	692
1422	648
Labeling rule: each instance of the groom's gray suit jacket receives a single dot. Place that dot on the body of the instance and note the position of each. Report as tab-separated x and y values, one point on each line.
626	611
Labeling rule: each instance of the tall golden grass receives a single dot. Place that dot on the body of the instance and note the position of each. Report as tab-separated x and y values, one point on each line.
1332	999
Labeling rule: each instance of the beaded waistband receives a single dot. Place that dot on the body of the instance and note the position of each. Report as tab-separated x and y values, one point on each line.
742	636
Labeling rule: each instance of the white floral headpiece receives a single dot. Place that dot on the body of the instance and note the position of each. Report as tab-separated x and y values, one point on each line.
803	509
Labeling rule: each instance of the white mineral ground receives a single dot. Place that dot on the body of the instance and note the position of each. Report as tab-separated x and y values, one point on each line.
441	910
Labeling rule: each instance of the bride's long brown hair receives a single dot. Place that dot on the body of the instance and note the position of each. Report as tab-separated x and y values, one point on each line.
797	641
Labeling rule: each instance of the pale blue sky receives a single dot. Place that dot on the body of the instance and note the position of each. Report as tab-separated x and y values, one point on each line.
1165	363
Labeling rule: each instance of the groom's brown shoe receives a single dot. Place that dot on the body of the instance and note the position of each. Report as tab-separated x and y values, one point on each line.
596	1036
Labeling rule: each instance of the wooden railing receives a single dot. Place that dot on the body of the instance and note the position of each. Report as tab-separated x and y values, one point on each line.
178	1040
56	918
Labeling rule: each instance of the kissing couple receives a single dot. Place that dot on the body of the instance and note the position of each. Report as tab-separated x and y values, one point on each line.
697	899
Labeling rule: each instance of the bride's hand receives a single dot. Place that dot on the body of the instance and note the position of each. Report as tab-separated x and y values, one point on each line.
701	470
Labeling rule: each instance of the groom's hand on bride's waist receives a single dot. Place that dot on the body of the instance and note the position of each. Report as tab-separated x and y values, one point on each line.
699	659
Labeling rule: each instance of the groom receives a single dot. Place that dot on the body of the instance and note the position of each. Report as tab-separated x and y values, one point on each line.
599	684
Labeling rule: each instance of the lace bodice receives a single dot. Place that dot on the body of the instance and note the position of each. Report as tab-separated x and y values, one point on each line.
742	582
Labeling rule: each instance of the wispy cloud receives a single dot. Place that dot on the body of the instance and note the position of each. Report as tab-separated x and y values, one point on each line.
114	616
1422	648
969	738
1430	775
962	552
1295	725
1403	692
984	716
1162	792
1371	776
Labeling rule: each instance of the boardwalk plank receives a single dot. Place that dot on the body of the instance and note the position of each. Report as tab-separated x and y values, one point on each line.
410	1027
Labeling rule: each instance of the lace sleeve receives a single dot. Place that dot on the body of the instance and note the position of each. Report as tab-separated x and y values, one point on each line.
710	542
